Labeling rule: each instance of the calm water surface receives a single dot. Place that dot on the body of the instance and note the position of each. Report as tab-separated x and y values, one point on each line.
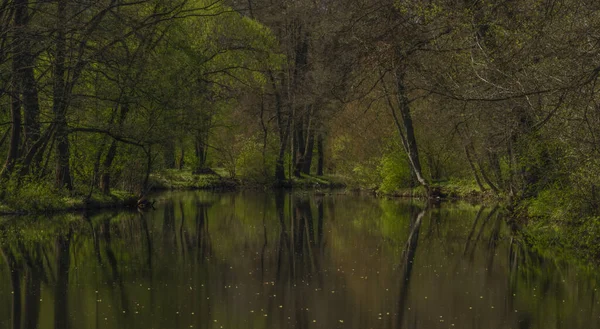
266	260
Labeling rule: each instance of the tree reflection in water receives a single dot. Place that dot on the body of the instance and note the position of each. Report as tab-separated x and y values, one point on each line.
285	260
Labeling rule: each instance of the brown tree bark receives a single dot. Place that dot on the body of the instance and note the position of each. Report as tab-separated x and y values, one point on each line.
405	127
409	140
321	155
15	135
106	164
283	127
181	160
111	154
473	169
299	147
60	104
31	105
201	152
308	152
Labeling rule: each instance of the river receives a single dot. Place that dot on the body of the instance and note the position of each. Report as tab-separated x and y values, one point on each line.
253	259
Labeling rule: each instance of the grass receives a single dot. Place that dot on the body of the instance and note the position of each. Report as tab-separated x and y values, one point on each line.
173	179
309	182
450	190
35	198
579	242
465	190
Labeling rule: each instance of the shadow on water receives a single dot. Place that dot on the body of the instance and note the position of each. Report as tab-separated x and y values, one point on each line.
285	260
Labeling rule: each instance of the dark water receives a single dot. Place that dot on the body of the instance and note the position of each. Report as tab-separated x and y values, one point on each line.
254	260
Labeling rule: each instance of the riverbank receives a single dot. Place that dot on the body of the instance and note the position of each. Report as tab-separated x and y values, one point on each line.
545	231
35	198
443	191
42	200
174	179
572	236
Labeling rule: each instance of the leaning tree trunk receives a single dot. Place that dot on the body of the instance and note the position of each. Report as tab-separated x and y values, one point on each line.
406	129
474	169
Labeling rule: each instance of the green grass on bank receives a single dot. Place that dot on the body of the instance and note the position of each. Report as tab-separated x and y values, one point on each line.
452	190
33	198
172	179
465	190
560	221
309	181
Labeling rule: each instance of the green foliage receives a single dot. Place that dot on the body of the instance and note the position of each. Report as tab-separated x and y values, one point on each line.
33	196
395	172
365	175
251	166
184	179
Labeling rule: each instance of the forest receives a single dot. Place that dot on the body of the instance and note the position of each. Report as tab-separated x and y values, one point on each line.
475	97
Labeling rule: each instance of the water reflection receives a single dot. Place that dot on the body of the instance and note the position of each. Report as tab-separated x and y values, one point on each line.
281	260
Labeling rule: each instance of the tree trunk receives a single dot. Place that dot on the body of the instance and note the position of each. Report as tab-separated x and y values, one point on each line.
32	160
59	106
112	153
300	148
494	162
180	162
201	153
308	152
405	128
144	188
15	135
18	63
283	127
28	84
411	142
474	169
321	154
169	154
108	160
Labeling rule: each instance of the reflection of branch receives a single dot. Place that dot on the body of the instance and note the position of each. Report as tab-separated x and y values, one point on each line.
15	279
485	221
408	260
477	217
